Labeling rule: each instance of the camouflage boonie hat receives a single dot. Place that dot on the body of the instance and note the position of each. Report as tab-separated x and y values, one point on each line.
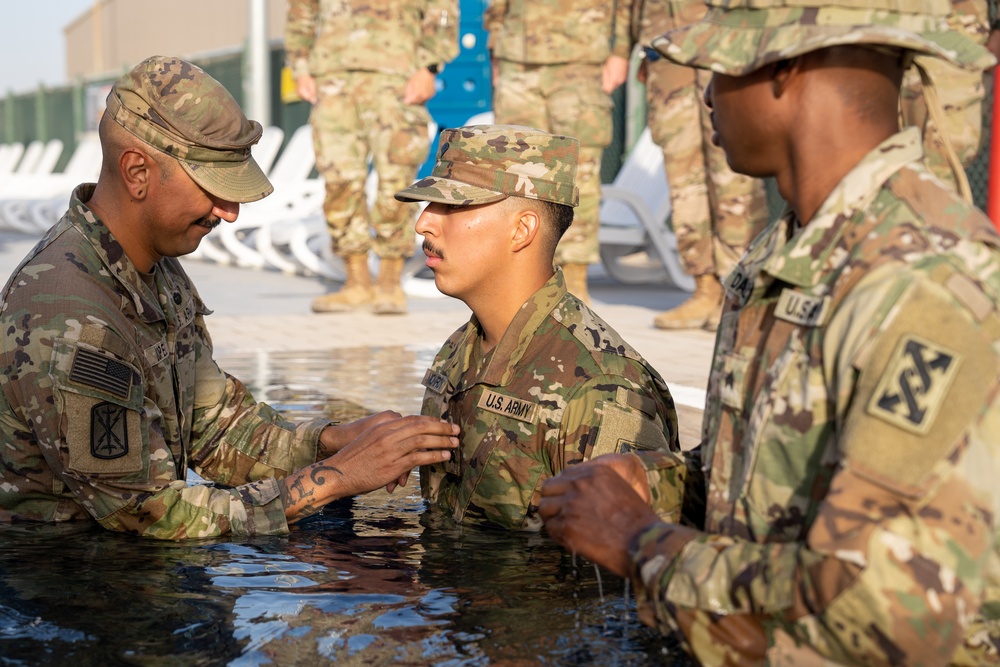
737	37
481	164
178	109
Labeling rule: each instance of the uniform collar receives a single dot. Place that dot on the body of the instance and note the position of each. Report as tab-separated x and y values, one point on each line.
111	253
814	249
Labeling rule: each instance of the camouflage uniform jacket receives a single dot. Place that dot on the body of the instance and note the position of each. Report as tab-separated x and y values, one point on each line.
549	32
111	393
851	436
390	36
560	387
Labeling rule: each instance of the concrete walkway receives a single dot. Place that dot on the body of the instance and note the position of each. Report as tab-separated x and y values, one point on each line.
258	310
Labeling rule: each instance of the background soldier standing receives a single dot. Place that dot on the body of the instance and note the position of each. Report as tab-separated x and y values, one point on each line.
851	438
369	68
714	211
555	63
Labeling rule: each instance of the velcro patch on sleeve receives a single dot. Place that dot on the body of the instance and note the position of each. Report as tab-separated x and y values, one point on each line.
915	382
96	370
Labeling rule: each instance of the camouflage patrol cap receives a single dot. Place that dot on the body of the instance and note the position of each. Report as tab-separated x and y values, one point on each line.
481	164
737	37
178	109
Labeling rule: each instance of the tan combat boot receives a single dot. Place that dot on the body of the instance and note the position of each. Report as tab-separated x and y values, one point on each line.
576	281
356	292
700	311
389	296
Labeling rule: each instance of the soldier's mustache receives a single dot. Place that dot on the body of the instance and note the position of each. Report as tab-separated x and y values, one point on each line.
209	221
430	250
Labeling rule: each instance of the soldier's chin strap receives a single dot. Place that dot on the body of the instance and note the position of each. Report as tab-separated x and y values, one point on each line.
936	113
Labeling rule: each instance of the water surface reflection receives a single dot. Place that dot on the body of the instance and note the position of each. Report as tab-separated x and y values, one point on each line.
370	581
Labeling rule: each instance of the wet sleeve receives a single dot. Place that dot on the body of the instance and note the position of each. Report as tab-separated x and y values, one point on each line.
300	34
235	439
439	37
102	438
892	567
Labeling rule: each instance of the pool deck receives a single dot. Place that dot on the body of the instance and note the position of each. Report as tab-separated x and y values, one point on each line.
269	311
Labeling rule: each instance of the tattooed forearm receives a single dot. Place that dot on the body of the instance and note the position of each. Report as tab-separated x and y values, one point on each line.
298	491
306	492
317	471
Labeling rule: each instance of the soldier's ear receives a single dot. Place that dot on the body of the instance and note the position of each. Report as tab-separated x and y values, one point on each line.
781	73
135	166
526	228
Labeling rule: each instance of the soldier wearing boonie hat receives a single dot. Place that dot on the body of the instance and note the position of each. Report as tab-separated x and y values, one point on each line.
178	109
853	405
500	197
110	388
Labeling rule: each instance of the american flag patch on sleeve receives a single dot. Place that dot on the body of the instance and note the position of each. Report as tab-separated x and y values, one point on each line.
101	372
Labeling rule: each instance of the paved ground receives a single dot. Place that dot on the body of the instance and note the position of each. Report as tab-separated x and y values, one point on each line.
265	310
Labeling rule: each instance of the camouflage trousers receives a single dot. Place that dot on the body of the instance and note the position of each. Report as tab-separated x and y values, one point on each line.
961	95
715	211
563	99
361	116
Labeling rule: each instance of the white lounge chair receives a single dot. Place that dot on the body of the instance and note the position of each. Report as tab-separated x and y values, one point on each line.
634	213
10	155
31	203
295	196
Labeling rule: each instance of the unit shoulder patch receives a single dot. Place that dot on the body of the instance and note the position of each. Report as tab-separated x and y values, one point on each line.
108	432
914	384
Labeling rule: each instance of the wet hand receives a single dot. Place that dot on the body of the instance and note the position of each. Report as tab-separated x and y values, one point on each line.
591	510
385	454
337	436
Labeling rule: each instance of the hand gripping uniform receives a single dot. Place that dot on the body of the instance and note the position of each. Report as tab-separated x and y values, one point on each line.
560	387
361	55
851	440
714	211
110	394
549	56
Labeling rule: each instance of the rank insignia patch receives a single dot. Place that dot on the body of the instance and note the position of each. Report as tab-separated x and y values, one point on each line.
914	384
108	432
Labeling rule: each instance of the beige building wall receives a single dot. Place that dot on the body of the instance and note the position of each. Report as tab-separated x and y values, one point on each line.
114	35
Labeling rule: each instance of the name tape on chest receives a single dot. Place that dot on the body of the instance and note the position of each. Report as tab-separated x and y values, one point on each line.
914	384
434	381
508	406
156	352
804	309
